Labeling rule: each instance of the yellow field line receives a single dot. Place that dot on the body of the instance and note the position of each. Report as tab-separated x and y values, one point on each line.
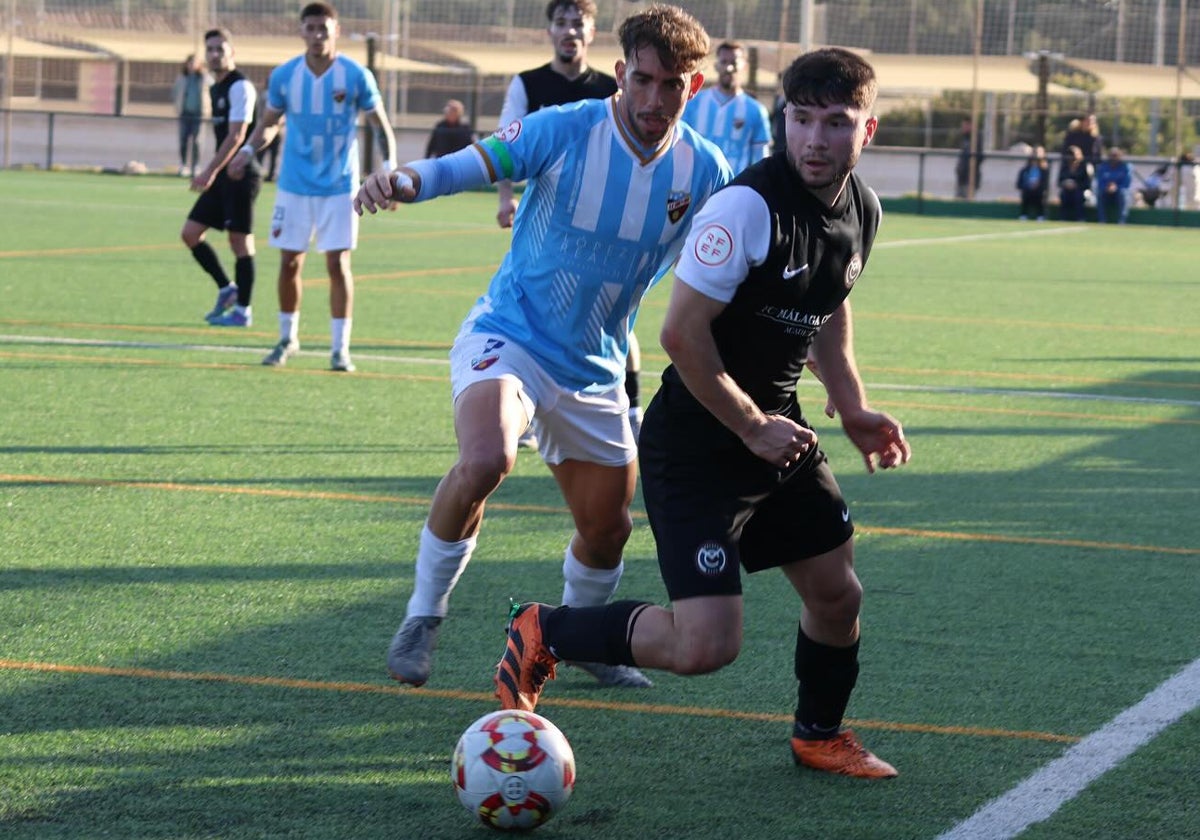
324	495
565	703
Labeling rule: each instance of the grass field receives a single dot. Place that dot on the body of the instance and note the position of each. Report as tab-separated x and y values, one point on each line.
202	560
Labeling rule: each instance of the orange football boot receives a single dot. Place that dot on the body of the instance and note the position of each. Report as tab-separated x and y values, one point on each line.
527	663
843	754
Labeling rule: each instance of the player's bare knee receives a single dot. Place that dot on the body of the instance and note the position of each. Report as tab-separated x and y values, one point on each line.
706	656
840	607
478	474
606	538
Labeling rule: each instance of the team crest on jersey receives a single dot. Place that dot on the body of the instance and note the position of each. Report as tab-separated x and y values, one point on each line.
853	269
510	133
339	95
739	124
711	559
678	204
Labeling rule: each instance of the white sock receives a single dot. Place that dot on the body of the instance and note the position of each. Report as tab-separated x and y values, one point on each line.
242	310
439	565
340	329
584	586
289	326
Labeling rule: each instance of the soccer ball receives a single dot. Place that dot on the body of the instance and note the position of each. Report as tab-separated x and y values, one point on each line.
513	770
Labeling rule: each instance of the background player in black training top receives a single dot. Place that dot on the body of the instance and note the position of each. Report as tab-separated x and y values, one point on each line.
224	203
731	472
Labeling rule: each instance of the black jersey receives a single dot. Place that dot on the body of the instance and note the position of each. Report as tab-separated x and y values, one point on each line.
232	102
815	254
544	87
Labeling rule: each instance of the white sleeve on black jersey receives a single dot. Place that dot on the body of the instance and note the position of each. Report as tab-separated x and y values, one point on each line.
516	103
242	99
730	235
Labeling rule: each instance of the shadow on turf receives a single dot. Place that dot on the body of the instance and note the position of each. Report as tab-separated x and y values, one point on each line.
274	762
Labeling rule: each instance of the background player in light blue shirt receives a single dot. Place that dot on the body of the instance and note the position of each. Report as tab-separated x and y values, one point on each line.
320	95
613	186
728	116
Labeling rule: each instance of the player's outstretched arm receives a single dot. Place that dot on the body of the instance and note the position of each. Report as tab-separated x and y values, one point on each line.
877	435
384	188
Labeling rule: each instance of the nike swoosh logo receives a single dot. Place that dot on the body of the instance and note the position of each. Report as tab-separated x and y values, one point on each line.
845	514
788	275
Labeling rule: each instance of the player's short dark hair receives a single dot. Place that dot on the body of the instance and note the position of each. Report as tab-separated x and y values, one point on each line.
677	37
735	46
318	10
587	8
219	32
831	76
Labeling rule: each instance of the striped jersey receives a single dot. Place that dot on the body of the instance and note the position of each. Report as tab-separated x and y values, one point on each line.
599	224
739	125
320	145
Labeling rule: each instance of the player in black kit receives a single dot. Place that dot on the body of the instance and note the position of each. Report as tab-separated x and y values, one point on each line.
731	471
224	203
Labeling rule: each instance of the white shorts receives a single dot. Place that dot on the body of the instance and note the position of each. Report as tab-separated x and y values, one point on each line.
570	425
298	217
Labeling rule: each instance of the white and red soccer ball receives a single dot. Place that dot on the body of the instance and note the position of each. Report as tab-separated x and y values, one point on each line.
513	770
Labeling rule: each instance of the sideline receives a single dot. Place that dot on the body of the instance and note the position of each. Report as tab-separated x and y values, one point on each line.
1038	797
561	702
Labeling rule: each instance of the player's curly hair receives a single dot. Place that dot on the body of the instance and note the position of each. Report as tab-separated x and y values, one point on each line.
587	8
831	76
677	37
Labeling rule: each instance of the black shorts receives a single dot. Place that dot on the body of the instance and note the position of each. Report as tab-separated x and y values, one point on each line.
715	506
229	204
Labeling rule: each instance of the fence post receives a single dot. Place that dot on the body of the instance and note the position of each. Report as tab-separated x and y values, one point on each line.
921	183
50	142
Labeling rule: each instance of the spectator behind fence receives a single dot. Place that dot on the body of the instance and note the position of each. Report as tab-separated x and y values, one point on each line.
1189	182
1114	177
1074	181
967	173
1085	134
1033	181
187	95
451	133
1154	186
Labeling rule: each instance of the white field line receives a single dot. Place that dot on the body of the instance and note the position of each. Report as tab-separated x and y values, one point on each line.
1039	796
1070	396
979	237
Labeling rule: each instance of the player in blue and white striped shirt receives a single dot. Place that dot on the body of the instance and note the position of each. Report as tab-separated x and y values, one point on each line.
728	116
613	186
320	94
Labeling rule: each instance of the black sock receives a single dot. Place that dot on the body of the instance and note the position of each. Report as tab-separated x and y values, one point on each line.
633	379
207	258
243	270
593	634
827	676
